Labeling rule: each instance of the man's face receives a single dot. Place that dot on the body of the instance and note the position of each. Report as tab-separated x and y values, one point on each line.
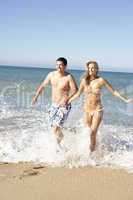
60	66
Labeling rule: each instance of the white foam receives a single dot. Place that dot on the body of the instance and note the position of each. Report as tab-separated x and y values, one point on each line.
26	136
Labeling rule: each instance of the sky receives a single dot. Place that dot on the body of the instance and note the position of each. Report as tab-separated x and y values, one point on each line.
36	33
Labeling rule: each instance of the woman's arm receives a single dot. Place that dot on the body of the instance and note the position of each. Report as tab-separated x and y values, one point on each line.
80	90
115	92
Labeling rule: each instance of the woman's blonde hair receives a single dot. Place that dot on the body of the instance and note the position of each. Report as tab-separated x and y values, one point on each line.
86	76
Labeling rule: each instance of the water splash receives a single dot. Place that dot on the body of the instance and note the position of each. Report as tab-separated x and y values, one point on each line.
25	135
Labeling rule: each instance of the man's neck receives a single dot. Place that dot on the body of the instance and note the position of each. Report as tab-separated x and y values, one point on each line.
61	73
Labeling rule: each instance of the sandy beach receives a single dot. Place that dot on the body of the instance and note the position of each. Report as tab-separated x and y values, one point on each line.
36	182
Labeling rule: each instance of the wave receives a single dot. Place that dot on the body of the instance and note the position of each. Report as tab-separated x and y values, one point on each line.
25	136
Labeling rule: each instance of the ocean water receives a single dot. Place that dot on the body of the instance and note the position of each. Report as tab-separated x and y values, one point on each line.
25	134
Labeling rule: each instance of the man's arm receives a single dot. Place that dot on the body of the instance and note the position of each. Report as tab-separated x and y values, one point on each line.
78	93
115	92
41	87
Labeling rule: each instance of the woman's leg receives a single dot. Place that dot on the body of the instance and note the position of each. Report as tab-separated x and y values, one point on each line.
88	119
96	120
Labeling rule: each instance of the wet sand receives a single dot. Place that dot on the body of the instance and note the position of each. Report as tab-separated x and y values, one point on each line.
26	181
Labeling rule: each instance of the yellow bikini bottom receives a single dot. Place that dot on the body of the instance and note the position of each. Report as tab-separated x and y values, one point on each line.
96	111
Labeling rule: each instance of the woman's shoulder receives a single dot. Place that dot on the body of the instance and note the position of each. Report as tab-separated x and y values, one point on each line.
101	78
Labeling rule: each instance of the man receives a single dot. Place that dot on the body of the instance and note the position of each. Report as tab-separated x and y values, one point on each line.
63	88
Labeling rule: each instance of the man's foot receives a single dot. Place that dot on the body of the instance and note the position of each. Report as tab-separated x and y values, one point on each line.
59	138
62	147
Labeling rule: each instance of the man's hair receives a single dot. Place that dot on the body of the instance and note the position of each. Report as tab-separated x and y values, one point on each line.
64	60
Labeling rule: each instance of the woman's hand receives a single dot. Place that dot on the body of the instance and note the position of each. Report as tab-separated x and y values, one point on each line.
69	101
129	100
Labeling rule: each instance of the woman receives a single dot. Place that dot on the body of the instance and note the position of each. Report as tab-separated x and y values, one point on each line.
91	85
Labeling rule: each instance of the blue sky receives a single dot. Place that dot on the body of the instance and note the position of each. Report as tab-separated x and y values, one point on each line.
35	33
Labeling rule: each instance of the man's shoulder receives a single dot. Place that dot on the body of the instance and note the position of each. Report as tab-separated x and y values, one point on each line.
51	73
69	75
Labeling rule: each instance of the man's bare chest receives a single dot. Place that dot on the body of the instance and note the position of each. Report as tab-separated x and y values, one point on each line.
60	83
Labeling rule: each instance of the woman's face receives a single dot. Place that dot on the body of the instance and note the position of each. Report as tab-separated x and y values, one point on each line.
92	69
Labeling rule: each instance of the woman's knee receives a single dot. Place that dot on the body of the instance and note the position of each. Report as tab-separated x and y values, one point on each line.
87	120
87	123
93	132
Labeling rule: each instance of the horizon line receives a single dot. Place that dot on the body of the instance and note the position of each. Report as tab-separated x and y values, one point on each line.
52	67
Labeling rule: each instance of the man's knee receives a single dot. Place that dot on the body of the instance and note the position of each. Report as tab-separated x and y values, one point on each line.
56	128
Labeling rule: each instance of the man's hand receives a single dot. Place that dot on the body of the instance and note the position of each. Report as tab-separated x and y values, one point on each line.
34	100
64	101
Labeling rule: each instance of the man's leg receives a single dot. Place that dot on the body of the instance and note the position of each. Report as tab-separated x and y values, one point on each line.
58	133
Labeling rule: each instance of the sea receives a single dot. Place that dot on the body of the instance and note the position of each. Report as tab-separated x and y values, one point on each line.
26	135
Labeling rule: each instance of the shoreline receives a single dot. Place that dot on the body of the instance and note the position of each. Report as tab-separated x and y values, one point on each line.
38	182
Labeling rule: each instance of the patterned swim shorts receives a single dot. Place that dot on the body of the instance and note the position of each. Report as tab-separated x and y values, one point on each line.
58	114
